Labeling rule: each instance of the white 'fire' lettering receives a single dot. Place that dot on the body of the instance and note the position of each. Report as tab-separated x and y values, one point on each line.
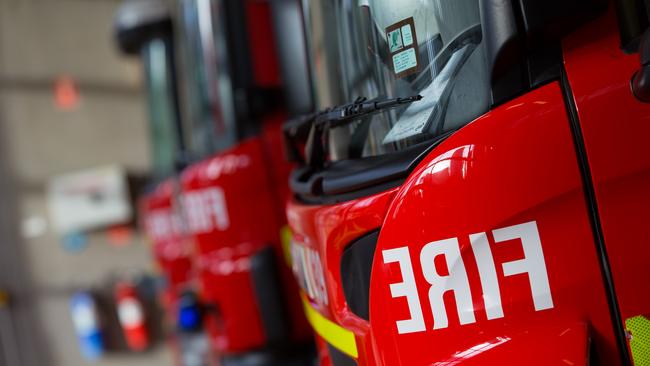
308	269
457	281
206	210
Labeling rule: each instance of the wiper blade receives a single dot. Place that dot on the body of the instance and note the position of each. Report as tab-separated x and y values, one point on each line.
313	129
345	113
341	115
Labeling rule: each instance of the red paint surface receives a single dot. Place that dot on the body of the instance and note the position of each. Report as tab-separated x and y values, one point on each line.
328	230
224	254
615	128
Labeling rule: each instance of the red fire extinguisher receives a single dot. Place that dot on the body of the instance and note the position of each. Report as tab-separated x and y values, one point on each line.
131	315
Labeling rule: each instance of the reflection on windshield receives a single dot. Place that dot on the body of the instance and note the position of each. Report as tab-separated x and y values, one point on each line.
207	85
388	49
160	103
416	118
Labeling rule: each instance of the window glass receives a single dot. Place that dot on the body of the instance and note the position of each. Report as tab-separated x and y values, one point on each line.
206	77
160	98
387	49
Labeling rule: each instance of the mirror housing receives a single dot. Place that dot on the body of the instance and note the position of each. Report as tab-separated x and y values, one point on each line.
138	21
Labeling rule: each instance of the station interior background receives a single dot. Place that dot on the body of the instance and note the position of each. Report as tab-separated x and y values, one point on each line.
50	49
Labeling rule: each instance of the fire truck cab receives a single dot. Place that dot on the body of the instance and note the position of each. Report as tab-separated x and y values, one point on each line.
474	189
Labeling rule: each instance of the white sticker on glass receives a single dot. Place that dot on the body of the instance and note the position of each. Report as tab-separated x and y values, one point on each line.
407	35
405	60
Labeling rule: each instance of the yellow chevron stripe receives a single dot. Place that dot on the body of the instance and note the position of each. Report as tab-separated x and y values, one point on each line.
339	337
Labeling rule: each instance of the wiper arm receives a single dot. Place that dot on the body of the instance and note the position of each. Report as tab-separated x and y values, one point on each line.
312	129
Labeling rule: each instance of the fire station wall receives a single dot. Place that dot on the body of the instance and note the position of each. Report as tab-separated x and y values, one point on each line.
41	41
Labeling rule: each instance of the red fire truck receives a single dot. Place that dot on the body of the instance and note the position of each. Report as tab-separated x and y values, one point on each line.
476	189
233	197
228	200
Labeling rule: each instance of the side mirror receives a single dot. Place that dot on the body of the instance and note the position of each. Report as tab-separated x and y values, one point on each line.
137	22
641	79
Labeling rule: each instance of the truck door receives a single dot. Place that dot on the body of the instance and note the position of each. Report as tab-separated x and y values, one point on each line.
615	155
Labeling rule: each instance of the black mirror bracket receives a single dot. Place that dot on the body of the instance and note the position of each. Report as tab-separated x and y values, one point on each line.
640	83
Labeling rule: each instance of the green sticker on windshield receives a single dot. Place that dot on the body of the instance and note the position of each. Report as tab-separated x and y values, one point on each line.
403	47
395	40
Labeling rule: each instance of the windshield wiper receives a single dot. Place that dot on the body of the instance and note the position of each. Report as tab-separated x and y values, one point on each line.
313	129
361	107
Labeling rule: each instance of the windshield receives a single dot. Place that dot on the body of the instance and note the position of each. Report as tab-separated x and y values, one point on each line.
160	97
206	77
389	49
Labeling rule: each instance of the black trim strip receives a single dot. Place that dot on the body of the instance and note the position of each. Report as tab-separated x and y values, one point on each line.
339	358
594	217
268	293
356	270
350	179
176	104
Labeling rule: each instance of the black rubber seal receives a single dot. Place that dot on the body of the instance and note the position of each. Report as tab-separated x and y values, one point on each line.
594	218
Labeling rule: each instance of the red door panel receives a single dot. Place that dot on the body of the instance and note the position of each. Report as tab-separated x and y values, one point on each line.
230	216
323	232
487	254
616	129
233	212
